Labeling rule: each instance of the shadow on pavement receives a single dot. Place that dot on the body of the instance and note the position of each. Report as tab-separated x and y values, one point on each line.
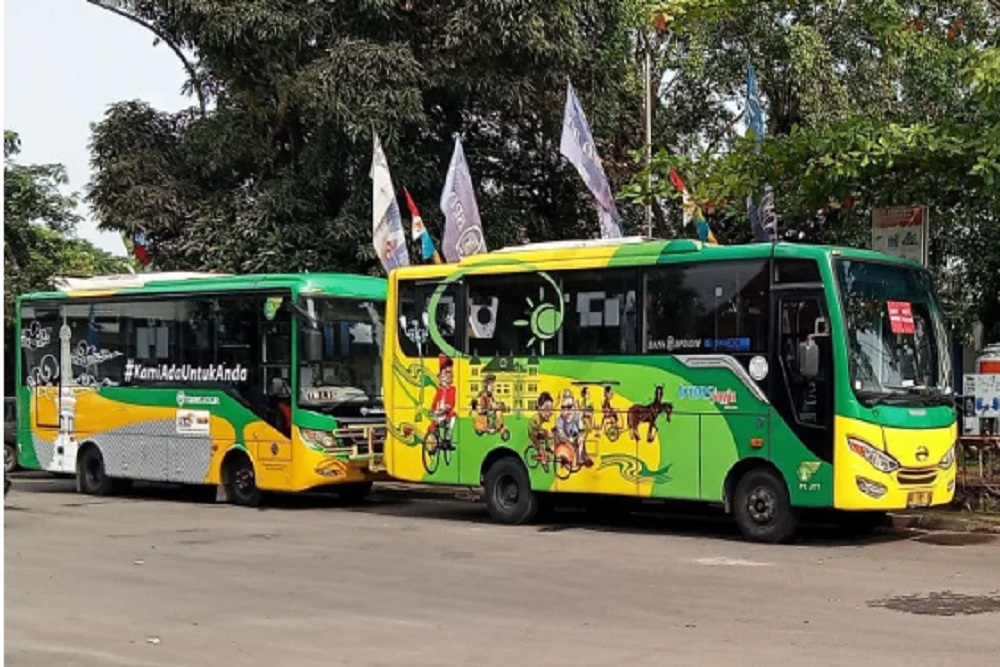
649	518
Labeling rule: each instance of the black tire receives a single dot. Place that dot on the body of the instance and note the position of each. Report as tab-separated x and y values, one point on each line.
91	477
9	457
509	497
762	508
354	492
241	482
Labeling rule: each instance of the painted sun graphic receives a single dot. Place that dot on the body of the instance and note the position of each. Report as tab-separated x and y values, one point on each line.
544	321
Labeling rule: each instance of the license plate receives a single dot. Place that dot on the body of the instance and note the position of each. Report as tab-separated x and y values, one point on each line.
919	499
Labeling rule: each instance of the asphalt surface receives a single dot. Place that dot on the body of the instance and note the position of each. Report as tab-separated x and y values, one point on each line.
168	577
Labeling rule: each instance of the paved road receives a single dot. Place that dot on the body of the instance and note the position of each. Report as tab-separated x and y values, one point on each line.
166	577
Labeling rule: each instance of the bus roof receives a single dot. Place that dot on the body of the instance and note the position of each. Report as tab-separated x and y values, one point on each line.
333	284
632	251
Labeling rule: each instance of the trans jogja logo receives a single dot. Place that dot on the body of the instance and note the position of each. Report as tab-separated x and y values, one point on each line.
705	393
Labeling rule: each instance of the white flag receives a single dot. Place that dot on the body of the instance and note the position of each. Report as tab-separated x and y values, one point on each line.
387	225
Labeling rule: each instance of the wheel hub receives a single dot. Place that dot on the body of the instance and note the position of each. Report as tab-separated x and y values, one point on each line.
244	480
761	505
507	493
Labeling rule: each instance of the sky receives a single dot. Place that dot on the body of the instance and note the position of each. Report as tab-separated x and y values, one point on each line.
64	63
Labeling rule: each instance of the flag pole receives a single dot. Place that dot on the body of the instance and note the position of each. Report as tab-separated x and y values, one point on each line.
648	107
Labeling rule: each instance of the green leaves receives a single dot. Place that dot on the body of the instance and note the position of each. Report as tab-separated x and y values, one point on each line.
275	175
867	104
38	230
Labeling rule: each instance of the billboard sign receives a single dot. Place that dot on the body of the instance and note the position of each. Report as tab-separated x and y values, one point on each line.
901	231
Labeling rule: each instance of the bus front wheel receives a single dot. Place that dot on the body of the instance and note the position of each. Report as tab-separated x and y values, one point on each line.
762	508
241	483
508	493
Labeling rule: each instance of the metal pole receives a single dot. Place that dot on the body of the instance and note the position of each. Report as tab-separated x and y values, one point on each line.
648	105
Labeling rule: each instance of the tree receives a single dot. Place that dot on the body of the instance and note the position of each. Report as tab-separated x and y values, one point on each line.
869	103
272	172
39	221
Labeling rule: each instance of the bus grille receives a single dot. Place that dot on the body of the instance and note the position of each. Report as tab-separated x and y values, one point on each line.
916	476
362	440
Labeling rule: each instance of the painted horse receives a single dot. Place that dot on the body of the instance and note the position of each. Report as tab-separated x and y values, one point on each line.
639	414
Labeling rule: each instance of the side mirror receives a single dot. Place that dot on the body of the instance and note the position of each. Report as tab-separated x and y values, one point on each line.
809	358
313	340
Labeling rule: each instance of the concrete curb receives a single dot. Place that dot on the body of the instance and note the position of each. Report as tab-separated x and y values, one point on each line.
932	522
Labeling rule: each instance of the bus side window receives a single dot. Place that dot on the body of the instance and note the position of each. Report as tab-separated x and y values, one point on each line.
413	321
519	314
601	312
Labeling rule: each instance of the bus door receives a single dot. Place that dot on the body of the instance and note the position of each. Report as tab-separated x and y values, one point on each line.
429	381
802	392
47	371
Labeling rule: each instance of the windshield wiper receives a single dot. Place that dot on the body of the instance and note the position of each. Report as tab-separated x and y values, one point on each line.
872	398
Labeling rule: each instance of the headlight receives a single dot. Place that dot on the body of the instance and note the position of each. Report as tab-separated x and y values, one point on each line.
948	459
879	459
868	487
317	438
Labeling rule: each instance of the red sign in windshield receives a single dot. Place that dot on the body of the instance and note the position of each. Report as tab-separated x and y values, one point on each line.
901	317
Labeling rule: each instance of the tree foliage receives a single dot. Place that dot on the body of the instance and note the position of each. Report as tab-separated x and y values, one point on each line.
273	174
868	103
39	221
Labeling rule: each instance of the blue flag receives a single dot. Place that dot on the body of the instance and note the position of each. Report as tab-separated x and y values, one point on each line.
463	230
763	220
577	145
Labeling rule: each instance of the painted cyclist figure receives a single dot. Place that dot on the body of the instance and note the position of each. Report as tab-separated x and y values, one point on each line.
540	437
443	407
609	418
586	410
568	431
488	405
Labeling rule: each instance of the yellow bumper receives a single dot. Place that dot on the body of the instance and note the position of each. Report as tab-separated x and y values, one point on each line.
918	481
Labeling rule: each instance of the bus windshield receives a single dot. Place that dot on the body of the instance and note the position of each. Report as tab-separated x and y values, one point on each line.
349	370
897	346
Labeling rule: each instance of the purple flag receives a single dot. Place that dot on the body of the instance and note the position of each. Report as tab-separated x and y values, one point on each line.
463	230
577	145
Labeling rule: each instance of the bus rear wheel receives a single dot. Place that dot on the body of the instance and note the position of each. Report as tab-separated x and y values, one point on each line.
508	493
241	483
91	476
762	508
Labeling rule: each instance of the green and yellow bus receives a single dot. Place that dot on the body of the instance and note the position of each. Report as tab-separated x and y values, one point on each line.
251	383
766	378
